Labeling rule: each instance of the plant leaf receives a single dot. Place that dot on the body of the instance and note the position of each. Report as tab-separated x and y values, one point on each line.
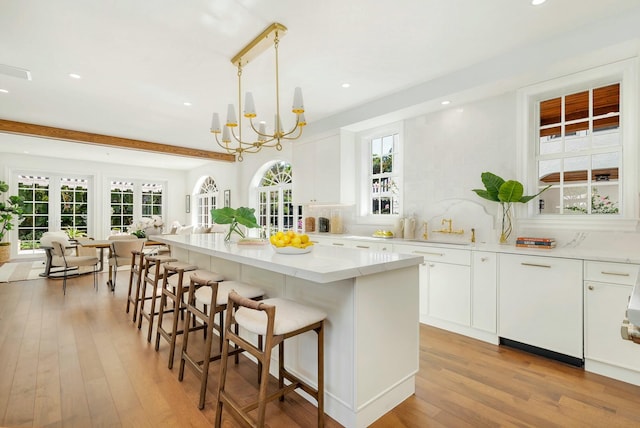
246	217
224	215
528	198
492	183
511	191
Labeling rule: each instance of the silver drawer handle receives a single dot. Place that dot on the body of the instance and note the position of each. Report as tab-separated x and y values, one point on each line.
338	244
535	265
614	273
428	253
362	246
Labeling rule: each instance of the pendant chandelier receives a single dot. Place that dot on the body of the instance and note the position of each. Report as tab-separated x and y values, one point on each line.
232	140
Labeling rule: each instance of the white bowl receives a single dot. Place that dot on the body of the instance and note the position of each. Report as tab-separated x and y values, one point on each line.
292	250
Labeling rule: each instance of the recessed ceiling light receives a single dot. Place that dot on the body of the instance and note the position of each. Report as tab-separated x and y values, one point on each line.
4	91
346	85
537	2
75	76
445	102
187	103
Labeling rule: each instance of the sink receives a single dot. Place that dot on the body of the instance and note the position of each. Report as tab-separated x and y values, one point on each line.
435	241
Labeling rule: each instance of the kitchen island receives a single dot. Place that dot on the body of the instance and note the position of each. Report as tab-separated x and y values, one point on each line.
372	328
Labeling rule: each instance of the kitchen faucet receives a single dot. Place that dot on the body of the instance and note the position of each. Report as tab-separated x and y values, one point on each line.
449	229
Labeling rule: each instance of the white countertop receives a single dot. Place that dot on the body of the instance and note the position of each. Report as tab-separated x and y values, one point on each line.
598	247
323	264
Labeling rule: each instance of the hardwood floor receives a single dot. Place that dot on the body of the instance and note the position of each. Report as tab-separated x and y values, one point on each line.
78	360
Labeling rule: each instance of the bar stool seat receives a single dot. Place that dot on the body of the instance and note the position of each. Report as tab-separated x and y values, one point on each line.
275	320
211	296
172	289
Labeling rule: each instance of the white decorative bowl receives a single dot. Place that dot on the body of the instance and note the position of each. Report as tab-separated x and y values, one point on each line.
292	250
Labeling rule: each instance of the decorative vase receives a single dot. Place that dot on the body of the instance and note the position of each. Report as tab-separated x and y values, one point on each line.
506	223
235	233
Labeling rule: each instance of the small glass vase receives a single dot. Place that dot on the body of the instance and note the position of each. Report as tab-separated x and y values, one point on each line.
234	233
506	226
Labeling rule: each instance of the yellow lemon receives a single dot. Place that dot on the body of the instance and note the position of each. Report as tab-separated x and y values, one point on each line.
304	238
280	234
296	241
273	239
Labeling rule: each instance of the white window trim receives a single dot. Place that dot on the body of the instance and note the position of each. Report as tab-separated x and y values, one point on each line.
362	192
137	198
527	98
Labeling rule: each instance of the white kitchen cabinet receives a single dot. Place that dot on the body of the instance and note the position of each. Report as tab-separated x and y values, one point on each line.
484	291
541	303
364	244
316	171
445	286
607	290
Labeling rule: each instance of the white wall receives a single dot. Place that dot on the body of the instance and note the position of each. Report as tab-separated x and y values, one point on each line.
100	174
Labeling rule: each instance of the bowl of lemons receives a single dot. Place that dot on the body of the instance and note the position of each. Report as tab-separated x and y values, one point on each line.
290	242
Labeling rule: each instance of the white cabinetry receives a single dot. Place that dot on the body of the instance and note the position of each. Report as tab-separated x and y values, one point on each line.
607	290
316	171
484	291
364	244
541	303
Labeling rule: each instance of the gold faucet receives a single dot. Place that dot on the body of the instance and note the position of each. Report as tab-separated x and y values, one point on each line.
425	231
473	235
450	228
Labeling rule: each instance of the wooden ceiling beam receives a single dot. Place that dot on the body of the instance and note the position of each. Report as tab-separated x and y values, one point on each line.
34	130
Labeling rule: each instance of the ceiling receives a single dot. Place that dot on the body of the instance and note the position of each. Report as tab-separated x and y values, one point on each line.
140	61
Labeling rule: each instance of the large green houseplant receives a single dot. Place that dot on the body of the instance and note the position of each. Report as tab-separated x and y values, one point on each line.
234	218
11	210
505	192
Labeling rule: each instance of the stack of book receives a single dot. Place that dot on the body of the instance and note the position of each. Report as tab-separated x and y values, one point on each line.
541	243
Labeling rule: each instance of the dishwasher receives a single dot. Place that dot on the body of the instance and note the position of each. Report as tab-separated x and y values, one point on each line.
541	306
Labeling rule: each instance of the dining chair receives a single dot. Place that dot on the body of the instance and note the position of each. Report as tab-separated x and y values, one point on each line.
120	256
71	262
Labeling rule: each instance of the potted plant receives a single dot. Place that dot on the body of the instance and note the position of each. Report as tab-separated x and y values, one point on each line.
234	218
11	210
506	193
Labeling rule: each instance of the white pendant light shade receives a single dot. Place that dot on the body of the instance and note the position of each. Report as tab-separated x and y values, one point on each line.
215	123
231	115
249	106
226	135
298	104
262	131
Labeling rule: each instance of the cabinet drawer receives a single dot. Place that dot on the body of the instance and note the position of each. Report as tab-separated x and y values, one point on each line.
615	273
436	254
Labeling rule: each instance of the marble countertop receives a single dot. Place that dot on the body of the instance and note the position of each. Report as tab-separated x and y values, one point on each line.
610	247
323	264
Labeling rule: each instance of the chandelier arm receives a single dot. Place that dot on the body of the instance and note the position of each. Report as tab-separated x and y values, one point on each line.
276	42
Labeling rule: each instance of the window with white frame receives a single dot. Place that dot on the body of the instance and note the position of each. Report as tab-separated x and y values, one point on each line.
206	200
383	175
275	208
579	152
579	139
133	199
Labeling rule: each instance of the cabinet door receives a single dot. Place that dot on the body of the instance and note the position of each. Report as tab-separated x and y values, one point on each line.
449	296
541	302
316	171
605	309
484	291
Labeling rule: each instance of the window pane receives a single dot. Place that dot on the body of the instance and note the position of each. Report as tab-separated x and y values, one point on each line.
605	199
575	200
606	132
550	112
576	106
549	171
549	202
575	169
606	100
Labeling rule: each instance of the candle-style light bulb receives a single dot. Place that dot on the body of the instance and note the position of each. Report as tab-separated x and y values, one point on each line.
301	120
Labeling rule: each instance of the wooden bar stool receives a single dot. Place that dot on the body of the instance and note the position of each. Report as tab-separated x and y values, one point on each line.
137	271
172	289
276	319
153	274
212	296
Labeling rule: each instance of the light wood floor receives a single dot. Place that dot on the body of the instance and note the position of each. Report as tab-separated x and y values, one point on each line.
79	361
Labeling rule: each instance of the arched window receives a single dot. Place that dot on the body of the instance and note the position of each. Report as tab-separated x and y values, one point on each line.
275	207
206	200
